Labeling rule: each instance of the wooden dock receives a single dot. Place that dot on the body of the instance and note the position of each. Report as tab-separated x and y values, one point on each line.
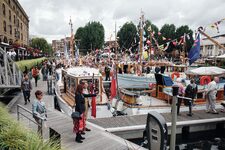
98	138
129	127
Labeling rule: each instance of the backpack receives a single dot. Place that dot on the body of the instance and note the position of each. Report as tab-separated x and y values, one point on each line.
190	91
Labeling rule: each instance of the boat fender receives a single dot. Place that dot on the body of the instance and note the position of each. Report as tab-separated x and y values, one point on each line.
205	80
120	106
114	101
177	74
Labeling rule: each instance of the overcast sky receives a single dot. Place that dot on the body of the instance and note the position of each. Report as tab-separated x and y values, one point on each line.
50	18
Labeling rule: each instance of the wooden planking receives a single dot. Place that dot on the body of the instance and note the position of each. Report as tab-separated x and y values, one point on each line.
68	100
123	121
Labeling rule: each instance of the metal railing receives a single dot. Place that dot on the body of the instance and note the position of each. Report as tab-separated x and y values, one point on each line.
40	125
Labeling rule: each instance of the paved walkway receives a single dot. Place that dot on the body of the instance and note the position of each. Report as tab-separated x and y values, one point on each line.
98	138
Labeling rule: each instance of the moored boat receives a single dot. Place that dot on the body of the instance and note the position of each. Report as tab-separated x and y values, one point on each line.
68	81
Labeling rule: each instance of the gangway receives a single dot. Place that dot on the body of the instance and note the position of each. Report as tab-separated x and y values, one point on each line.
10	75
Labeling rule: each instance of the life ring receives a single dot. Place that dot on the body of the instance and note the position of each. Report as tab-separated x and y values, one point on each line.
177	74
205	80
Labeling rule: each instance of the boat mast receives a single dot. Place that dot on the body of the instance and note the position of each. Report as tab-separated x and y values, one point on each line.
116	63
150	44
141	35
71	41
200	29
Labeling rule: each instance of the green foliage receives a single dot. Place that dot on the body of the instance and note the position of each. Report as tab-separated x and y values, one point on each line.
168	31
127	35
180	32
41	44
16	137
91	36
29	63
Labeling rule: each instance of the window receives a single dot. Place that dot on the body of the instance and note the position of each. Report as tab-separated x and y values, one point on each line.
3	9
4	25
9	2
15	32
18	23
14	17
10	29
21	36
21	26
10	18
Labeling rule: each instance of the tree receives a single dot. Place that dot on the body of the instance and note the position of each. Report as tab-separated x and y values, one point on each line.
91	36
41	44
168	31
189	35
127	35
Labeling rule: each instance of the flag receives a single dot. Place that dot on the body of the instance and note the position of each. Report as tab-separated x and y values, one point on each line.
93	102
65	51
113	82
188	37
194	52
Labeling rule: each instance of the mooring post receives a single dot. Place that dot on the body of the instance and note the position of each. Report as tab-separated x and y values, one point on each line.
174	118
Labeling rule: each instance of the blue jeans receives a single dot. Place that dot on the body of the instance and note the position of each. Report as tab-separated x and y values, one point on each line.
26	95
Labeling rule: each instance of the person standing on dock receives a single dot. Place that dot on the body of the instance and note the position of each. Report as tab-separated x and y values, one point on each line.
211	96
181	92
39	109
85	91
26	87
107	73
191	92
223	102
80	107
44	72
35	74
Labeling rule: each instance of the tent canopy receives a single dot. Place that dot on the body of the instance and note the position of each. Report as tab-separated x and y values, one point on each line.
206	71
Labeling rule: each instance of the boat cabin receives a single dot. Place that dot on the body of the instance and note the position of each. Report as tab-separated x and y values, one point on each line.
71	77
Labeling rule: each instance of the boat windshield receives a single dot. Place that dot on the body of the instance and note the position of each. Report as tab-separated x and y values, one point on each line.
89	81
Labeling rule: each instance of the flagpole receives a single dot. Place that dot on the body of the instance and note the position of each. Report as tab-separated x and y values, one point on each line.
211	39
71	41
141	35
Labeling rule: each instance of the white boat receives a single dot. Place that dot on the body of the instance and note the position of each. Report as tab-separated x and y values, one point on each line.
69	79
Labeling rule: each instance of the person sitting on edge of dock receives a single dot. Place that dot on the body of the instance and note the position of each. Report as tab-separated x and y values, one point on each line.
211	96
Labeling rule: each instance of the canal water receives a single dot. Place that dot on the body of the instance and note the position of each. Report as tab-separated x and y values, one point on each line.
7	95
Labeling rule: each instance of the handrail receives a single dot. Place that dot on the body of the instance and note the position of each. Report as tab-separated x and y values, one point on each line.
30	112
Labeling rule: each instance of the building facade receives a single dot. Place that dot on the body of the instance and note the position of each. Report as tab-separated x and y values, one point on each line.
58	46
14	23
208	48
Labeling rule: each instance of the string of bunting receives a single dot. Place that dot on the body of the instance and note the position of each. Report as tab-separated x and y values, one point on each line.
181	40
215	25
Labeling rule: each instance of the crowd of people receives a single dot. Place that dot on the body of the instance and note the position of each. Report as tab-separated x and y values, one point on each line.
81	95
